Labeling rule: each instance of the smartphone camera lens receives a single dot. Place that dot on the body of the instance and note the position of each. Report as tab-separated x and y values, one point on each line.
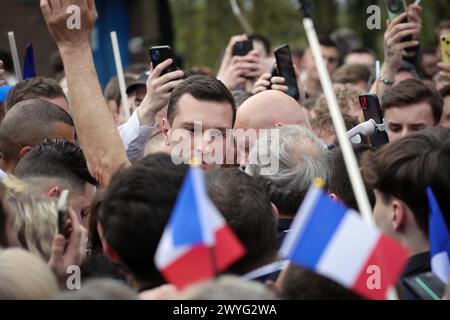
395	6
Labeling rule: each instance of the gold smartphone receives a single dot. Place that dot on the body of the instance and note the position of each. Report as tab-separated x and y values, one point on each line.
445	48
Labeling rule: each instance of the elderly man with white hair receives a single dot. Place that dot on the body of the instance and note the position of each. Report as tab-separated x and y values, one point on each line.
285	160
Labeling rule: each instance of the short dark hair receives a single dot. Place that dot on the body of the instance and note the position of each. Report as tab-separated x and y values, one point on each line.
112	90
29	123
301	283
338	179
351	73
326	41
204	88
134	212
264	40
406	168
247	209
34	88
56	158
362	50
413	91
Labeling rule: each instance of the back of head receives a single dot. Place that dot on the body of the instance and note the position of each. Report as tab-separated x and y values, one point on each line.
23	276
101	289
29	123
301	158
228	288
268	109
247	209
135	210
406	168
55	160
36	222
203	88
338	180
351	74
34	88
411	92
300	283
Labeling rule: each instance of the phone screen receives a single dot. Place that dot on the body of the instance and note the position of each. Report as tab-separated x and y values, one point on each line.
285	68
160	54
372	110
242	48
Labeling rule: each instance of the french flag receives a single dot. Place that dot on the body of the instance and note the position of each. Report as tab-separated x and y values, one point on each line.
439	240
337	243
197	243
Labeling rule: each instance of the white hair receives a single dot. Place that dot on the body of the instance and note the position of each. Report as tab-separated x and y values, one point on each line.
301	157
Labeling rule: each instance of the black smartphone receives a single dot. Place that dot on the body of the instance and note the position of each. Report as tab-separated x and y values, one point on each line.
242	48
159	54
63	213
285	68
426	285
372	110
396	8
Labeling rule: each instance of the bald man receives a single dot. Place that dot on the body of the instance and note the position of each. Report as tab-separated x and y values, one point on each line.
265	110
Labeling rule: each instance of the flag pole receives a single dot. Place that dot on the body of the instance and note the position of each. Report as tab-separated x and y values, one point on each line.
338	122
15	55
120	74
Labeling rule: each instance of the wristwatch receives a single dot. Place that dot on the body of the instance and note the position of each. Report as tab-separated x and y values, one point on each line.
386	81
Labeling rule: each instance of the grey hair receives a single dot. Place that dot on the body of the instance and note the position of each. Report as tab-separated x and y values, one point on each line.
300	154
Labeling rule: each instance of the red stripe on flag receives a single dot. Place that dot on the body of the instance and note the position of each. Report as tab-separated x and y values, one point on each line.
382	269
197	264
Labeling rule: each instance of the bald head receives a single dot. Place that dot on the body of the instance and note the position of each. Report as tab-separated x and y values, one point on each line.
29	123
269	109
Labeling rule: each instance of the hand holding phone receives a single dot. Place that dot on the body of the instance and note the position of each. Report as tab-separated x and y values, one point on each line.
372	110
396	8
159	54
285	68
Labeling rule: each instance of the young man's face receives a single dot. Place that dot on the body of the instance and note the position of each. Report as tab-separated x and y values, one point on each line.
445	120
204	118
404	120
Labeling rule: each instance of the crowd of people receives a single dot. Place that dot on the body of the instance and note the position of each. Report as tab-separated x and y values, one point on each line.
124	174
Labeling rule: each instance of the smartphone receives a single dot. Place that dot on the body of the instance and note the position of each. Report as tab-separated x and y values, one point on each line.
242	48
426	285
63	213
396	8
159	54
372	110
445	48
285	68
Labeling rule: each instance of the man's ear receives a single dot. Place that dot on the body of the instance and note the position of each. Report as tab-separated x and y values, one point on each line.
399	216
275	211
166	131
54	192
333	197
24	151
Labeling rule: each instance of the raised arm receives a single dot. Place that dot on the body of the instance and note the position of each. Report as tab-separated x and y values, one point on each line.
96	130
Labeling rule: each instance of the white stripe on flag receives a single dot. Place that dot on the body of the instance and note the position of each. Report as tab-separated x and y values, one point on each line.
348	250
167	252
300	222
209	217
441	266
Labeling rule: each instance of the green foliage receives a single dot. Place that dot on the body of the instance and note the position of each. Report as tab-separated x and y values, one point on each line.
204	27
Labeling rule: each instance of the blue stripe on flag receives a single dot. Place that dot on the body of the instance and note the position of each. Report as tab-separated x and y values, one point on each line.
185	220
318	232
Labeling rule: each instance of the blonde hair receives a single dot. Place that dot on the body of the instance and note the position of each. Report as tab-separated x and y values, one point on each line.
24	276
346	96
36	222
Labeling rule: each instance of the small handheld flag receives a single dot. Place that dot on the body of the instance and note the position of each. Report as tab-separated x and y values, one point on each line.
337	243
439	240
29	70
197	243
